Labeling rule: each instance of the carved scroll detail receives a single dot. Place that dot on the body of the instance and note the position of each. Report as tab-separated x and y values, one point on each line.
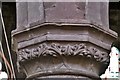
60	50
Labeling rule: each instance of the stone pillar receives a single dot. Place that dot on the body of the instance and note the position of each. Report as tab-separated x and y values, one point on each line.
63	39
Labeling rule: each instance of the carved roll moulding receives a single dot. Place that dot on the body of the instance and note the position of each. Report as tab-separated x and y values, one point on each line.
69	42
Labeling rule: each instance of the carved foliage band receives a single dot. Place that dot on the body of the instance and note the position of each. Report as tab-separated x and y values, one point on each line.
60	50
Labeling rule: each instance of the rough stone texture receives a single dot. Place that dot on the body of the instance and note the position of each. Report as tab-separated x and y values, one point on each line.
67	59
22	19
63	39
36	13
58	50
97	13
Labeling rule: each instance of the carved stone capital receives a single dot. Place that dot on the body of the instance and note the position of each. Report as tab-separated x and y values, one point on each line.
57	50
55	41
65	59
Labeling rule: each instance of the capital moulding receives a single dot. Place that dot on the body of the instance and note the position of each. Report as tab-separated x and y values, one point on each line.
57	50
69	59
51	50
63	39
109	32
89	33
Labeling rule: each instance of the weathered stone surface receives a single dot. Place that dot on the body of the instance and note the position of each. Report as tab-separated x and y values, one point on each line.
50	59
94	47
58	50
63	32
64	39
97	13
22	19
36	13
69	12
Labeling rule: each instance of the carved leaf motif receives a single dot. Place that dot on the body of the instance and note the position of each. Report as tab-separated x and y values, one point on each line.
57	50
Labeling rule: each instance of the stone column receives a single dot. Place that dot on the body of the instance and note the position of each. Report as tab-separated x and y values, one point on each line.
63	39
